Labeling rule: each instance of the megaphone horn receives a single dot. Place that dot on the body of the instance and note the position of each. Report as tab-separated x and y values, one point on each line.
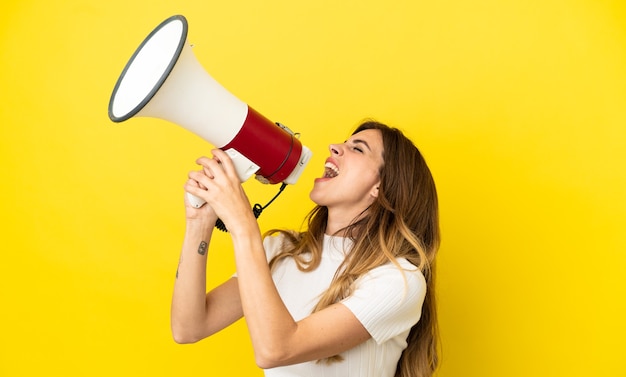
164	80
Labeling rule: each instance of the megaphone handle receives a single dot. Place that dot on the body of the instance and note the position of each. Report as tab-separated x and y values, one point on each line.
195	201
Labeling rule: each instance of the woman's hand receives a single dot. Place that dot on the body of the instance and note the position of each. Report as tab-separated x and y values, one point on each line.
197	213
217	183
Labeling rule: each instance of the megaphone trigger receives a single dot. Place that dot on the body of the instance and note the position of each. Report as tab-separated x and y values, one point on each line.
244	167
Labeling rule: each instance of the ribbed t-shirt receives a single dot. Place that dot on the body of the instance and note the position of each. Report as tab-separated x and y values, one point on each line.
386	300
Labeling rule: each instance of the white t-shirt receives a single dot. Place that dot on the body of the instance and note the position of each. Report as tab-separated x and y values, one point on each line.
387	301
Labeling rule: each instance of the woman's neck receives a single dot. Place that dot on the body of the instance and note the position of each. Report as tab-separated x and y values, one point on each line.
338	222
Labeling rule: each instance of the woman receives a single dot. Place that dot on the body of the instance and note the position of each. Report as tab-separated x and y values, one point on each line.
350	296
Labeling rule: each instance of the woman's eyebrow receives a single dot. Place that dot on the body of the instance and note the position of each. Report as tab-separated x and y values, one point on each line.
359	141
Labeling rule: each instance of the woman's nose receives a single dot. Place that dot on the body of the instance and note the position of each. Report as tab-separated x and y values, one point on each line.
335	149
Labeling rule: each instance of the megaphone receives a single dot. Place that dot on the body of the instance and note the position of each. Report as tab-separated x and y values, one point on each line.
164	80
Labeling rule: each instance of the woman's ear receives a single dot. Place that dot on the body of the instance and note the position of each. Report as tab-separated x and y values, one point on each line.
374	191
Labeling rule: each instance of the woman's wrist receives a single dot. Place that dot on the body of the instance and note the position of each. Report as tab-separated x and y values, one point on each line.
245	236
204	227
244	225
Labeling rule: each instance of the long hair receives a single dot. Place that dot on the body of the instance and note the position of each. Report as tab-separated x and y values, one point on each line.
402	222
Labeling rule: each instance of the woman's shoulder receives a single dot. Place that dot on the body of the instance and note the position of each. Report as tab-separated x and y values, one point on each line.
275	241
402	272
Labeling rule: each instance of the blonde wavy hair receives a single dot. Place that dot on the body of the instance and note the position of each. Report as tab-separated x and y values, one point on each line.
403	222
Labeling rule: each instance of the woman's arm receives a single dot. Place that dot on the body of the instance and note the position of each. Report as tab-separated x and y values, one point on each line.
276	337
196	314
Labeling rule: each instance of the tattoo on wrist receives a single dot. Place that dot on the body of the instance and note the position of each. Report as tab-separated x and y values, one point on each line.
202	248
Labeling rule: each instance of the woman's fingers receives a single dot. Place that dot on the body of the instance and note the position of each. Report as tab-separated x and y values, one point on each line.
226	163
209	166
201	179
218	184
216	175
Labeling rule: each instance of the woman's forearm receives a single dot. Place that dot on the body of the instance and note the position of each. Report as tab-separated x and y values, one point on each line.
269	322
188	311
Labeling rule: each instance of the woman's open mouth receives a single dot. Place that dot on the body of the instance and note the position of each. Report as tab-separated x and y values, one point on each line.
330	170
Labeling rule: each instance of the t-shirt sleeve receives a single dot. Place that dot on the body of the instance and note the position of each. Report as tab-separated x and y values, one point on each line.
388	301
273	245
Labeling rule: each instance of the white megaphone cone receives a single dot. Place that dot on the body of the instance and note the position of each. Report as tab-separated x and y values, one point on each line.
164	80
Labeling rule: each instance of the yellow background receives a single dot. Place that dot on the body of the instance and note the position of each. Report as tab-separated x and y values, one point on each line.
518	106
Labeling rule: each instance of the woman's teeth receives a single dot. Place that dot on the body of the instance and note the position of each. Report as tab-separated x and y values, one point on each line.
330	170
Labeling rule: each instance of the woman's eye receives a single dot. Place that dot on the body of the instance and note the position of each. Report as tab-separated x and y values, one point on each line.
358	149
